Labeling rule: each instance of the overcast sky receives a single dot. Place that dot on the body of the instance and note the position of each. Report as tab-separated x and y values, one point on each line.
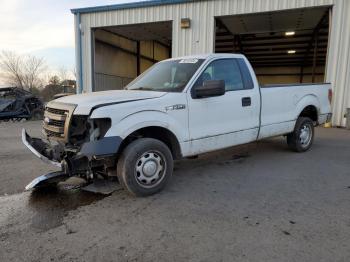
43	27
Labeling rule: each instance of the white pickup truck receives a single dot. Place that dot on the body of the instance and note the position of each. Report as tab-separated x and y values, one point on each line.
180	107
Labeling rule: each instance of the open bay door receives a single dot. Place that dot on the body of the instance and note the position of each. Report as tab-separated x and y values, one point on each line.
123	52
282	46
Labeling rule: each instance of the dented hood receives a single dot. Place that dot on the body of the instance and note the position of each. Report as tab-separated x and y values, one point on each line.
85	102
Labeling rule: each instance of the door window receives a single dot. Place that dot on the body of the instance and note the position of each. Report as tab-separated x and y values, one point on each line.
223	69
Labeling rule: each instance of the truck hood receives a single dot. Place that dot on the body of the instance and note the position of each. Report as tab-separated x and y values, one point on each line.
85	102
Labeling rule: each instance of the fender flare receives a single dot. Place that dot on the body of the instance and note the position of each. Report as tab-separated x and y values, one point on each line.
143	119
305	101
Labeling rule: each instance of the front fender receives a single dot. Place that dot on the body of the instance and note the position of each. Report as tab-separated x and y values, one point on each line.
143	119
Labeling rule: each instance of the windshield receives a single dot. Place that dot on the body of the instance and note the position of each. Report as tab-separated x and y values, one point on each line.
167	76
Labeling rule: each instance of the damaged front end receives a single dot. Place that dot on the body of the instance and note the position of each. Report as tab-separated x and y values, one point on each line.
74	143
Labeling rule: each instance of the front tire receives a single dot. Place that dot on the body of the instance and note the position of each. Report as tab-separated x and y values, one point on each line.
145	167
303	135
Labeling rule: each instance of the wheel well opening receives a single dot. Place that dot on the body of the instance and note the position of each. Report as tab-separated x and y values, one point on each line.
311	112
160	133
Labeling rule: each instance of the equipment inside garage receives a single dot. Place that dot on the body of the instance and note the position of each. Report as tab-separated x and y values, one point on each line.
123	52
283	47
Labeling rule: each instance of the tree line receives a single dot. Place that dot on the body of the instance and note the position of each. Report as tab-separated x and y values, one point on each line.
32	74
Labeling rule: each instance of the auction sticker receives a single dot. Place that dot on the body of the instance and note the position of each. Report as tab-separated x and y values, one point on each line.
188	61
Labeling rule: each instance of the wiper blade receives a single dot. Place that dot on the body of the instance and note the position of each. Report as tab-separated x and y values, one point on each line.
143	88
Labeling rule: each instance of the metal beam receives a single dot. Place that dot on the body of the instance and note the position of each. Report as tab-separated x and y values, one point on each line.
223	26
310	44
300	54
138	60
280	37
266	49
285	43
314	59
246	37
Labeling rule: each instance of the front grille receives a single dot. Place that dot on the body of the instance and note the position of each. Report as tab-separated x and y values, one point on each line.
56	111
52	134
58	123
57	119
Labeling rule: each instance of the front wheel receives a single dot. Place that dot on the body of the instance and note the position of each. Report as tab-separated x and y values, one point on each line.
145	166
303	135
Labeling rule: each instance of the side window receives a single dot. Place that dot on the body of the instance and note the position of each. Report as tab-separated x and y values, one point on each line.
247	78
223	69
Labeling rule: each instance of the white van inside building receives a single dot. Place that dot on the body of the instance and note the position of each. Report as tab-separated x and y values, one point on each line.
285	41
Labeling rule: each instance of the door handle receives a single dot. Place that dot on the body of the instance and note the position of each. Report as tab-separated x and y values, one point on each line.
246	101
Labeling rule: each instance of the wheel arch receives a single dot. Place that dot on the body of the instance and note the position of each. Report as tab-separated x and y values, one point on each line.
157	132
153	124
308	106
310	111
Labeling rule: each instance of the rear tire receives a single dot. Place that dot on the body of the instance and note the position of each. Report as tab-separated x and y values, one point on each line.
145	166
303	135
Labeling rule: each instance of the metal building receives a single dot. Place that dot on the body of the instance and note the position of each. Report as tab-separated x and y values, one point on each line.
287	41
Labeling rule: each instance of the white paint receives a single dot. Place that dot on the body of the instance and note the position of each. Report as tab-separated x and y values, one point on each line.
205	124
200	37
85	102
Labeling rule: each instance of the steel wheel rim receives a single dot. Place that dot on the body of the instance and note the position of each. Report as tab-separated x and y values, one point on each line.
150	169
305	135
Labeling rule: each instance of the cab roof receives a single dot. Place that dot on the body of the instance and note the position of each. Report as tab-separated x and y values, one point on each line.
208	56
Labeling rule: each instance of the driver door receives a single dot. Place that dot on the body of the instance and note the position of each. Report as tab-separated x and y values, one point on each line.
227	120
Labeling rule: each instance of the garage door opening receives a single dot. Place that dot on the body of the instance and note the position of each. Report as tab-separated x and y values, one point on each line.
283	47
121	53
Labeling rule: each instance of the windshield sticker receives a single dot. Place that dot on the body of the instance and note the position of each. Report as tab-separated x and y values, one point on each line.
188	61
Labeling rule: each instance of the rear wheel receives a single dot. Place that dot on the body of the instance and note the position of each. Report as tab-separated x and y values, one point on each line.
145	166
303	135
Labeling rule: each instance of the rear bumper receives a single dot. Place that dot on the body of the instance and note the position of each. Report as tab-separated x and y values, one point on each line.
324	118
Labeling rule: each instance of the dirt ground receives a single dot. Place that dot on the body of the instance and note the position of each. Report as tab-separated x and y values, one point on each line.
258	202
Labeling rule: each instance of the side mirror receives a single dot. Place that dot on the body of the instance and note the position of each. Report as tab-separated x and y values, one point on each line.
210	88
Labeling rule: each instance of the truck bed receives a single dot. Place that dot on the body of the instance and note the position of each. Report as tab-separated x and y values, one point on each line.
283	102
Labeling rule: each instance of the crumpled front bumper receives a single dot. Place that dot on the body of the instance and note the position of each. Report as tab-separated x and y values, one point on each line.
30	144
90	150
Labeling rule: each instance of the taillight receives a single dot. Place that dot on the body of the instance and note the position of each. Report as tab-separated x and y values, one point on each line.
330	95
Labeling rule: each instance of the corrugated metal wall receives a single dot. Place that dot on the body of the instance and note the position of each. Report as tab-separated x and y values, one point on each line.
338	62
200	37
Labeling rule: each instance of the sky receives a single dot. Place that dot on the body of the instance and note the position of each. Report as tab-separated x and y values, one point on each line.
44	28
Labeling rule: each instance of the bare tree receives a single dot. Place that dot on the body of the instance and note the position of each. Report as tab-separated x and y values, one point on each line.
33	67
21	70
11	66
63	74
74	73
55	80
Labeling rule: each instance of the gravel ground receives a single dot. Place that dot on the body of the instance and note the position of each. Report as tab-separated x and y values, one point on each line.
258	202
18	165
